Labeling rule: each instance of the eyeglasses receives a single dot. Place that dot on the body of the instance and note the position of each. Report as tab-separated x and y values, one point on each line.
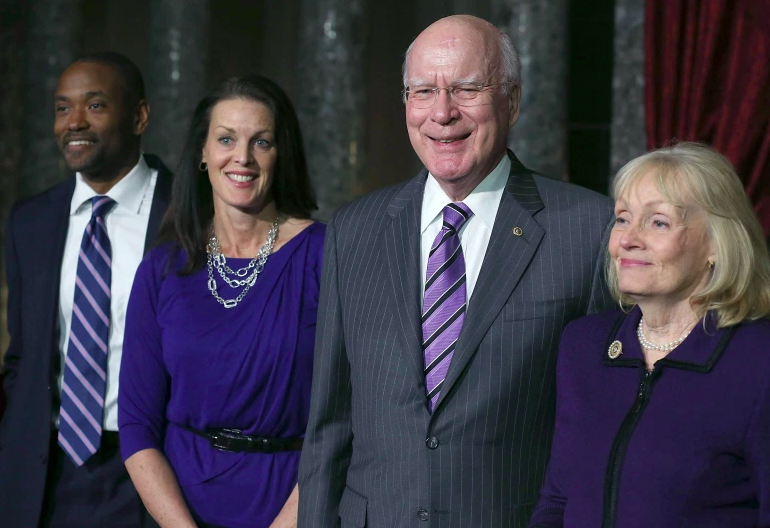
464	94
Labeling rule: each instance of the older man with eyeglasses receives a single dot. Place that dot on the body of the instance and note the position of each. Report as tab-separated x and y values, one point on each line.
442	302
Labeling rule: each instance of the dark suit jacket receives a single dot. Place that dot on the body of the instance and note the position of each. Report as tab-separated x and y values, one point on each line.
373	455
37	230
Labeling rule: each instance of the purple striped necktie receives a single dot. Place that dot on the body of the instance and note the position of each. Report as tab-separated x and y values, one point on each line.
443	307
85	367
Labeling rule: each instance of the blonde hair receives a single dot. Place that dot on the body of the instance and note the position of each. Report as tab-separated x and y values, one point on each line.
694	176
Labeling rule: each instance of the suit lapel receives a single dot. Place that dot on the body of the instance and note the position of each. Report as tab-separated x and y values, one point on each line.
51	250
505	261
160	200
402	265
58	214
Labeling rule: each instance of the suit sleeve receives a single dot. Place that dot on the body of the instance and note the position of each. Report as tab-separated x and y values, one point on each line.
549	511
601	300
328	440
144	380
13	280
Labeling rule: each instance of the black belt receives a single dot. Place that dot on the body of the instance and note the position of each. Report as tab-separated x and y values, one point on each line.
233	440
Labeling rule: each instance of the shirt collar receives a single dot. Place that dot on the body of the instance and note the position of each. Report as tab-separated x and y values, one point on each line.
128	192
484	200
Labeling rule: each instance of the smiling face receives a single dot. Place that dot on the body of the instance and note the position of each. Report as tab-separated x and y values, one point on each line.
460	145
97	125
658	253
241	154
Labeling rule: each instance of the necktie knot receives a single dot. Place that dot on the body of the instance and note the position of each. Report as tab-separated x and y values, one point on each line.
455	215
101	205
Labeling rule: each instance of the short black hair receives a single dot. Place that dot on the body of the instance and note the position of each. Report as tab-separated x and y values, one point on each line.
192	199
133	81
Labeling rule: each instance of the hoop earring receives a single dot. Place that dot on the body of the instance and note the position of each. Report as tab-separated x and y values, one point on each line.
203	167
711	265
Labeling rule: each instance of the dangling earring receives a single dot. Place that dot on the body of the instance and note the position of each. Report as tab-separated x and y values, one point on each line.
203	167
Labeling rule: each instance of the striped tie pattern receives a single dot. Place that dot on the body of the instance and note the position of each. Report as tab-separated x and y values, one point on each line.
85	367
443	310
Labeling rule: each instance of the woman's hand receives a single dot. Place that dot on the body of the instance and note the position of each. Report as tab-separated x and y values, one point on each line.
157	486
287	518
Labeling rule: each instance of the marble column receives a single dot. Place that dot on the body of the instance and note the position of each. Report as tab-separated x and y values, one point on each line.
539	30
11	62
175	73
331	97
628	133
53	30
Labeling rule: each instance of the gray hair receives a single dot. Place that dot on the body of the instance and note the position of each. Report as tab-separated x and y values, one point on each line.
509	57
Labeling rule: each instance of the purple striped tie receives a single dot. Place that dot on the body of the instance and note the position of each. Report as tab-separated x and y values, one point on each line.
443	308
85	367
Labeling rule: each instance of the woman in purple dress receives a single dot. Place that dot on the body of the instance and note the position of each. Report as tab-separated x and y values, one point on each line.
663	409
217	359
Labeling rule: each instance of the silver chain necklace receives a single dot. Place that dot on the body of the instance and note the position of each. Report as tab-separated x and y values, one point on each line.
665	347
216	259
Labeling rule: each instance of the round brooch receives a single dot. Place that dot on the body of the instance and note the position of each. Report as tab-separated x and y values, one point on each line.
616	348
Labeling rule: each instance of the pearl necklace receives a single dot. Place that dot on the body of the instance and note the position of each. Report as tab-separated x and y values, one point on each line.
665	347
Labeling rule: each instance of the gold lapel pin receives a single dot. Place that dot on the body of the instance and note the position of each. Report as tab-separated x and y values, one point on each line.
517	231
616	348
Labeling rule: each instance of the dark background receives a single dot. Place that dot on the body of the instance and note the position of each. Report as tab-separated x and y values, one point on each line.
248	36
262	37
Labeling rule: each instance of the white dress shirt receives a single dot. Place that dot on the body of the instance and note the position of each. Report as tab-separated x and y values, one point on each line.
484	201
126	226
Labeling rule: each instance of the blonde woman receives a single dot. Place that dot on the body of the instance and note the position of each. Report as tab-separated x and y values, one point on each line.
663	409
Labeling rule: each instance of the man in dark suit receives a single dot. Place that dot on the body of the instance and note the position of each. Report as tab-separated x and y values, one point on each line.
71	253
442	302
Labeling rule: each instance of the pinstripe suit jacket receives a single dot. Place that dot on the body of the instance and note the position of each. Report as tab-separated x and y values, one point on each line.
370	456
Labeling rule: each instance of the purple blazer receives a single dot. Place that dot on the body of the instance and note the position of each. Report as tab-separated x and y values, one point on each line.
685	446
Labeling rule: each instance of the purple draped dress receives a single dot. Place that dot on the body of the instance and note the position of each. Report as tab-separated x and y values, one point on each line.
189	361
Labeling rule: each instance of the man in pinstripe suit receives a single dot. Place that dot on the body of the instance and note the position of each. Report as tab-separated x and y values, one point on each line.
442	302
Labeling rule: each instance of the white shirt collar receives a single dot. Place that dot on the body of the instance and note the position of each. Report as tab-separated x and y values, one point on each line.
484	200
128	192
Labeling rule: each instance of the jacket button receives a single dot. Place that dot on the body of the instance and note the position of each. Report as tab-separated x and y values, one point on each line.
422	515
432	442
43	459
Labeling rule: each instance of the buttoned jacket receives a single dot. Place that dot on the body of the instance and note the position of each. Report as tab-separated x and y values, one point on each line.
374	454
34	245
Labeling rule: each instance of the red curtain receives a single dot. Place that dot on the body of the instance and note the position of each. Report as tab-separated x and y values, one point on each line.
707	77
